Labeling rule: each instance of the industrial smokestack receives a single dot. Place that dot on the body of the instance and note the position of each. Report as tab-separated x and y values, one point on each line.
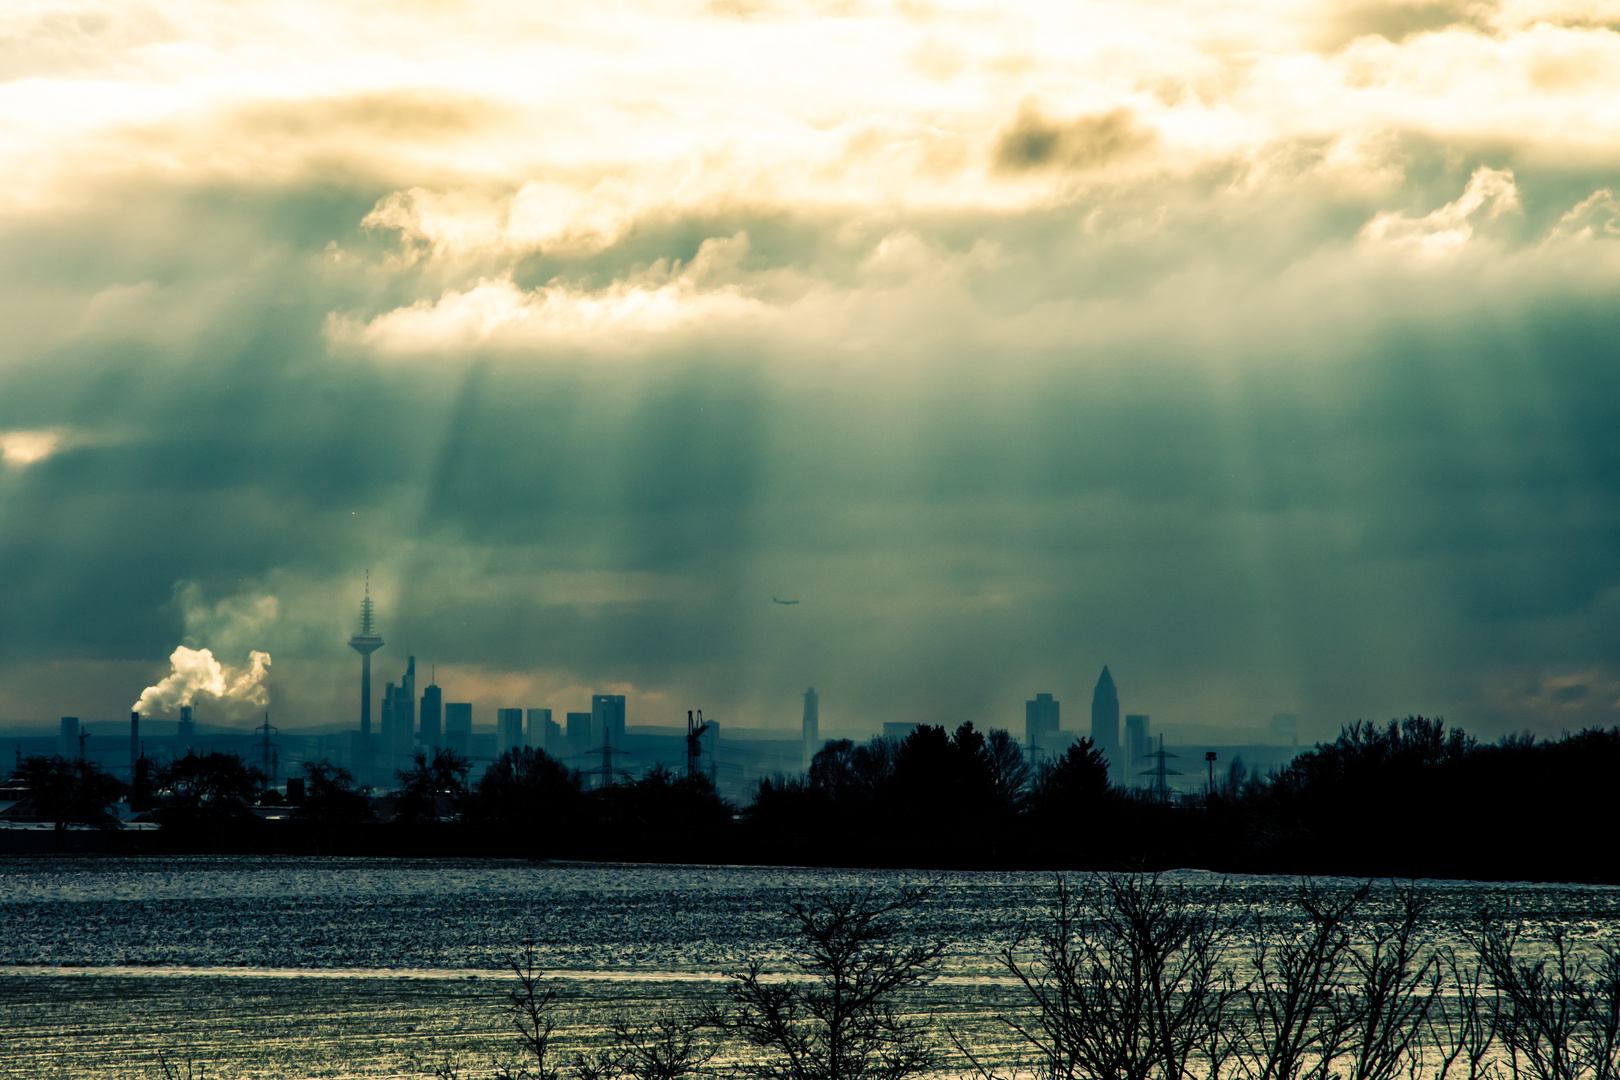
188	729
134	742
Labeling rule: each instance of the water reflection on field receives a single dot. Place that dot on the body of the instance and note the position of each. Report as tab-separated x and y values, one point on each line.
336	967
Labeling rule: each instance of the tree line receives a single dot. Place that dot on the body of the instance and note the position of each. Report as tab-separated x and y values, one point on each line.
1412	798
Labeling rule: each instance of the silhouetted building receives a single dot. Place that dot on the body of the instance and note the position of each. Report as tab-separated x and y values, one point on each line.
458	726
508	730
1105	719
1138	743
535	728
556	744
405	712
67	740
385	725
1040	726
579	734
432	710
187	731
607	720
812	724
134	741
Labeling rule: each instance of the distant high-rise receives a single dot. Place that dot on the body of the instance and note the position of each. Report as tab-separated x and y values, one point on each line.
535	729
556	744
134	741
1040	725
187	731
812	723
385	722
365	643
403	734
405	710
458	726
1138	745
66	741
432	709
607	720
508	730
579	734
1105	719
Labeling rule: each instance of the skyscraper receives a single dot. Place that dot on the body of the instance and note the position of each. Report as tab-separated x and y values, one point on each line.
432	709
405	710
579	734
1105	719
812	724
607	720
1138	745
385	723
1040	725
508	730
555	745
458	726
536	728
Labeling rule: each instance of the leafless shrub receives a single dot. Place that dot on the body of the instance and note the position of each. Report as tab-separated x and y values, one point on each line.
671	1047
1463	1034
1397	980
1559	1015
531	1007
840	1022
1129	981
171	1068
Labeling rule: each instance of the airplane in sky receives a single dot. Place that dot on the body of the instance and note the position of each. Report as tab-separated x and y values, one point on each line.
774	600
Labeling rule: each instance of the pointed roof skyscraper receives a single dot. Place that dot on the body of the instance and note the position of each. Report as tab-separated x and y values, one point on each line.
1105	717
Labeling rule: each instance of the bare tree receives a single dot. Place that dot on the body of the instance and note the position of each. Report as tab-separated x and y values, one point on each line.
1559	1015
839	1022
532	1010
1464	1032
669	1048
1129	981
1397	981
1302	1015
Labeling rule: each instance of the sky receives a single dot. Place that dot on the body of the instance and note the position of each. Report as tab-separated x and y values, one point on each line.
1264	351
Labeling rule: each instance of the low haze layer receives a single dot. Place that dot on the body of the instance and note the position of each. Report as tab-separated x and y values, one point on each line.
1265	352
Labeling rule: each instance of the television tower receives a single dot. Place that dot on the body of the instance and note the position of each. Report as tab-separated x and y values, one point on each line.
366	642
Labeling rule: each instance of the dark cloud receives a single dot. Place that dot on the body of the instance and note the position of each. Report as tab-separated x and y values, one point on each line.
1034	141
1399	21
1246	499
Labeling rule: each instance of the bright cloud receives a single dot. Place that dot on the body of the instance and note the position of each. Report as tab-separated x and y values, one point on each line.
20	449
1489	194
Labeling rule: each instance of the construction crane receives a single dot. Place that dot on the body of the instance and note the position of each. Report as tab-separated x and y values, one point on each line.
694	741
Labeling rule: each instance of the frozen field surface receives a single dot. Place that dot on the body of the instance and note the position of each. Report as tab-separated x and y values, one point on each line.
412	915
299	967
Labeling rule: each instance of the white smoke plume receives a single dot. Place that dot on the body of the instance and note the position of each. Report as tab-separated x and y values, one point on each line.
197	675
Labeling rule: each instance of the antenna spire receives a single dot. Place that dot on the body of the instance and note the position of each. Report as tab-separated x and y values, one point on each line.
367	611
